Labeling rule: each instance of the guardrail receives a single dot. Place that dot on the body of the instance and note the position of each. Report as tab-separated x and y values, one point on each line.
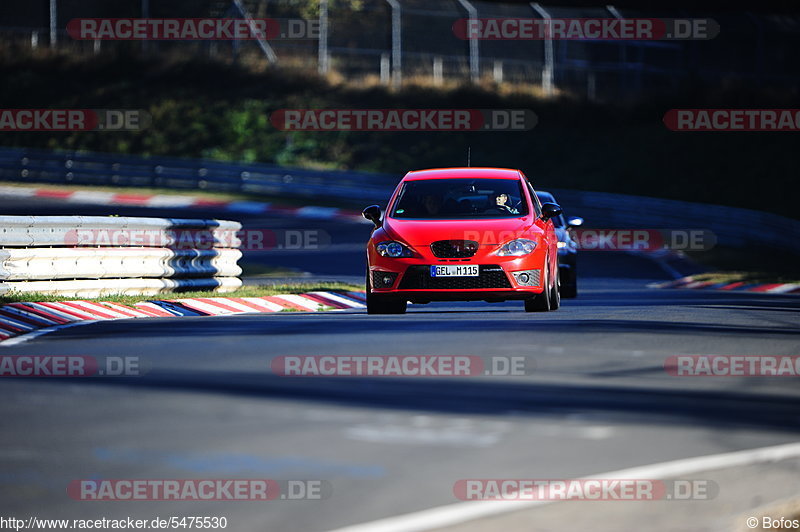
95	256
44	166
734	227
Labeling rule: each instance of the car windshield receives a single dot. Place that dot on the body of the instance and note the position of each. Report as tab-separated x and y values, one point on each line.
439	199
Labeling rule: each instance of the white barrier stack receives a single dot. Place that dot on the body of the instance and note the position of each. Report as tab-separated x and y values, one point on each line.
91	256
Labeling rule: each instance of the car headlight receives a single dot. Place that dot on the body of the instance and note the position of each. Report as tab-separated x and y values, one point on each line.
517	248
393	249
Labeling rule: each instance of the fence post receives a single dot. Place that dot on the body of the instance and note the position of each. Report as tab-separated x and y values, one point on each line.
474	51
269	53
145	14
547	73
322	61
438	71
385	66
497	71
397	44
53	24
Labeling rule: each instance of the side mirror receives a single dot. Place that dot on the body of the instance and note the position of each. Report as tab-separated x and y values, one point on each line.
550	210
373	214
574	221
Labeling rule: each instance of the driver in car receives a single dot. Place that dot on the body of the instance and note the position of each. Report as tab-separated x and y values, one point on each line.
432	204
501	200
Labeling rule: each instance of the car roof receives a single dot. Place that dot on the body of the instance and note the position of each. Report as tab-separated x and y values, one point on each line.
463	172
541	193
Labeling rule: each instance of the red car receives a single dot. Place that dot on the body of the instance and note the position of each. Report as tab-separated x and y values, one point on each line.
462	234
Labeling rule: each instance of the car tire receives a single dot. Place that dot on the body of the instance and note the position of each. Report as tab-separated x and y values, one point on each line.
555	298
569	291
569	286
541	303
381	304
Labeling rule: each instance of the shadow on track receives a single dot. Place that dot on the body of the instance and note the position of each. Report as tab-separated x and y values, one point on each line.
420	322
472	396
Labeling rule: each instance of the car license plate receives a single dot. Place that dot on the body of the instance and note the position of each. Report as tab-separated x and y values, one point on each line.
466	270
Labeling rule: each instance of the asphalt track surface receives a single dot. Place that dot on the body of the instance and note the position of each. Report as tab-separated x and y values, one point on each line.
596	397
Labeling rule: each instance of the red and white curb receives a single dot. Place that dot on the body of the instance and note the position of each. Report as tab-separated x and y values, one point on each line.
21	321
95	197
768	288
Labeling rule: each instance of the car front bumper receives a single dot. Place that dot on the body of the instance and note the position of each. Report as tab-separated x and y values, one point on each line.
499	278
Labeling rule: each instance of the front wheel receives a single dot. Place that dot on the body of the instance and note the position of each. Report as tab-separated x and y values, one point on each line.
555	296
382	304
543	301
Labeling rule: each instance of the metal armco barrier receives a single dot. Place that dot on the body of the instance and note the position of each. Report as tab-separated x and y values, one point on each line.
106	263
31	231
733	227
95	255
44	166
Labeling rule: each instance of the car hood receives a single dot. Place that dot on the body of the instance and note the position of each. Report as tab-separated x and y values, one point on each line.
485	232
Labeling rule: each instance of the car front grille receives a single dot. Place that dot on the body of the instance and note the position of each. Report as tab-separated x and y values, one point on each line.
454	249
419	278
